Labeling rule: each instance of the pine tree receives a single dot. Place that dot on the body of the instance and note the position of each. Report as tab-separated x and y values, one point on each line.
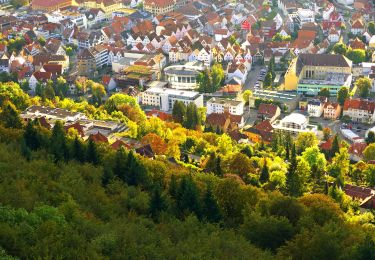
335	146
30	137
178	112
25	150
264	175
218	170
287	152
120	165
187	197
135	173
173	186
157	202
92	154
78	150
210	207
58	142
192	118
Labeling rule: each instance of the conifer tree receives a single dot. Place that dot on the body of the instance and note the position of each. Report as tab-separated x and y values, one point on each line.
218	170
30	137
173	186
264	175
135	173
92	154
157	202
58	142
120	165
210	207
188	197
78	150
335	146
178	112
9	116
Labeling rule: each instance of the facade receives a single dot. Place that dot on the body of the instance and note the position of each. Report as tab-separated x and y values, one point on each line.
51	5
164	98
86	63
309	73
305	16
315	108
294	123
183	76
221	105
268	112
159	6
331	110
360	110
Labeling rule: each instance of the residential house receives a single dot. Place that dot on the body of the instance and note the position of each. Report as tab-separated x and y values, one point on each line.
261	132
315	108
268	112
221	105
360	110
331	110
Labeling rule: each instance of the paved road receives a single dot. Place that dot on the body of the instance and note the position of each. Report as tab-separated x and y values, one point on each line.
252	77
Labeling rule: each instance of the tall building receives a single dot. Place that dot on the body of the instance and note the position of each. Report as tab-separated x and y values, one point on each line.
309	73
51	5
159	6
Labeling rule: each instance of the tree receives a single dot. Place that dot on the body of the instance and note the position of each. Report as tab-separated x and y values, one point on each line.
209	81
340	48
9	116
69	51
357	55
264	175
370	175
188	198
78	150
192	118
49	91
268	80
369	152
233	40
326	133
371	27
98	92
178	111
370	137
335	146
324	92
42	41
135	173
217	75
364	86
246	95
18	3
61	87
32	137
239	164
342	95
58	142
305	140
211	211
92	154
157	202
297	175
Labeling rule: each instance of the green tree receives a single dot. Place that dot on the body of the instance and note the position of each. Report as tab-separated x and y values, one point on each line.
342	95
324	92
58	142
364	86
188	198
305	140
268	80
178	111
335	146
78	150
157	202
135	173
98	92
369	152
92	154
357	55
9	116
340	48
210	208
192	119
246	95
370	175
370	138
264	175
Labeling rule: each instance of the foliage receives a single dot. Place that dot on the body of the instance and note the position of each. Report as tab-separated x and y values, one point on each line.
357	55
209	81
364	86
342	95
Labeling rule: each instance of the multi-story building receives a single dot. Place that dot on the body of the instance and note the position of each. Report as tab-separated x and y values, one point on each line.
159	6
51	5
309	73
294	123
183	76
221	105
164	98
86	64
315	108
305	16
331	110
360	110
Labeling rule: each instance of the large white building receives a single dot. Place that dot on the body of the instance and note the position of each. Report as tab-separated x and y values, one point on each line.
221	105
315	108
294	123
164	98
183	76
305	16
360	110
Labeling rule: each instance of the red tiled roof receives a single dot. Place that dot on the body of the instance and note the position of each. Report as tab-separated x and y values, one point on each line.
118	144
42	76
267	109
98	137
357	149
360	105
77	126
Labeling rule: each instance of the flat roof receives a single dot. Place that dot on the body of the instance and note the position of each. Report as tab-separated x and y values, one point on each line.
224	101
172	92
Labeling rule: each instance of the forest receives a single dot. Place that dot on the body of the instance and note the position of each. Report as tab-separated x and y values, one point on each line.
62	197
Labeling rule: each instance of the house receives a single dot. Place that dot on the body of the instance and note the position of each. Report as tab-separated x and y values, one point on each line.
365	195
268	112
220	34
261	132
360	110
357	44
109	82
4	63
222	105
315	108
39	77
159	6
331	110
356	151
294	123
224	122
98	138
358	27
333	35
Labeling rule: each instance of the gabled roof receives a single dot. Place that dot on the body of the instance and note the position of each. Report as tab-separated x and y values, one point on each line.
267	109
98	138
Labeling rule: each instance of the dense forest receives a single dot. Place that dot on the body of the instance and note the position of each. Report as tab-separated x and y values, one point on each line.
65	198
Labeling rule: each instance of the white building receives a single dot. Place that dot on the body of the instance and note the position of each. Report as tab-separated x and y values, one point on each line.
183	76
294	123
305	16
164	98
360	110
315	108
221	105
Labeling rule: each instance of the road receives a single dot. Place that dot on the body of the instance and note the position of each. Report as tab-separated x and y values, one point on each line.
252	77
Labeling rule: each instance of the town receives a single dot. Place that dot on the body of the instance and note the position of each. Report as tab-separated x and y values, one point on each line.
200	84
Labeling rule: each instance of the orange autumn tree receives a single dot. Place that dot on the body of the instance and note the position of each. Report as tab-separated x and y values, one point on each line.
156	142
